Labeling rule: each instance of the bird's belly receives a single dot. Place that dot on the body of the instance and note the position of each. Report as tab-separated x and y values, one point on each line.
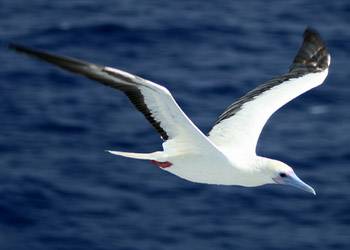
203	169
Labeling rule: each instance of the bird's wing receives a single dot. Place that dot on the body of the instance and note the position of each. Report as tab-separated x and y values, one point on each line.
153	100
238	128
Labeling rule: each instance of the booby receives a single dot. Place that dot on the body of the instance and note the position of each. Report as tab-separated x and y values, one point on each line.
227	156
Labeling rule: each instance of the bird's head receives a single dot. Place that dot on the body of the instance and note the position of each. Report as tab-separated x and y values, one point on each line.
280	173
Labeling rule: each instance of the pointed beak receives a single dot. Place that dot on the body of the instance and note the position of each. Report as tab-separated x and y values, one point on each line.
293	180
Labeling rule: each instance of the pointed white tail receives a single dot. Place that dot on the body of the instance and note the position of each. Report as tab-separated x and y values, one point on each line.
142	156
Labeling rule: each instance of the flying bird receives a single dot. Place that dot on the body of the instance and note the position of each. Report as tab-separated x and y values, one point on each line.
227	156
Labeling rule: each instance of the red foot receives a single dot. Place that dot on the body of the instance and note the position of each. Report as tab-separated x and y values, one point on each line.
165	164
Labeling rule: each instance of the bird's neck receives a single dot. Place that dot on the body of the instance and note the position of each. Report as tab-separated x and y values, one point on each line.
252	171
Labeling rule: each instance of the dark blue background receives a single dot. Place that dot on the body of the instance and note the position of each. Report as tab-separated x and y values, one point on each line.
60	190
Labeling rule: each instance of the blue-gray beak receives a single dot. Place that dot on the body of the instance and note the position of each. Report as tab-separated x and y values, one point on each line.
293	180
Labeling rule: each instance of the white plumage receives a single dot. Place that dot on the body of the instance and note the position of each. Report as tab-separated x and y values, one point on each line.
239	134
227	156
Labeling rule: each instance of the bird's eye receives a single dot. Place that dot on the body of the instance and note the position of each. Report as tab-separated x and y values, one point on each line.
283	175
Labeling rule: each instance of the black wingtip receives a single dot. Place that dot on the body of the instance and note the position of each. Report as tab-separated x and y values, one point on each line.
28	51
313	55
68	63
14	47
311	35
11	46
310	31
18	48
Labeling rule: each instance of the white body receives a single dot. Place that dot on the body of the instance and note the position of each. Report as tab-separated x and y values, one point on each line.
215	169
227	156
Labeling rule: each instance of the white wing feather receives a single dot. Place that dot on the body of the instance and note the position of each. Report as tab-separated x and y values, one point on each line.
239	134
153	100
238	129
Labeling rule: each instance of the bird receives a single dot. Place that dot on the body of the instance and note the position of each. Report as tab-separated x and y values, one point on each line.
227	154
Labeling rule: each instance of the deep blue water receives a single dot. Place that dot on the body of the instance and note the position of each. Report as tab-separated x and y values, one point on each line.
59	189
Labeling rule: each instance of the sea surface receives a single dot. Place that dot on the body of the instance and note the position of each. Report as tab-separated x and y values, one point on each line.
60	190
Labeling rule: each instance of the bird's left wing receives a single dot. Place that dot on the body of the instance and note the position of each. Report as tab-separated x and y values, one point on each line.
237	130
154	101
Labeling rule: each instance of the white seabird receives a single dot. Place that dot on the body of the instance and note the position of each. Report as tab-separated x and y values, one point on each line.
227	155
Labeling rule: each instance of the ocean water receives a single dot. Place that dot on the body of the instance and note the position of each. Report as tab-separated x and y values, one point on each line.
60	190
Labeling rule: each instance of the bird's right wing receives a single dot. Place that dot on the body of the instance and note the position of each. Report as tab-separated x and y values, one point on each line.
154	101
238	128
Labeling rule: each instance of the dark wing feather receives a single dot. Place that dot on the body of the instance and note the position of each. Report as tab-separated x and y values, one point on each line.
115	79
312	57
238	128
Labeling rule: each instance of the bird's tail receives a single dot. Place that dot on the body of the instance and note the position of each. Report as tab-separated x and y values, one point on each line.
156	156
